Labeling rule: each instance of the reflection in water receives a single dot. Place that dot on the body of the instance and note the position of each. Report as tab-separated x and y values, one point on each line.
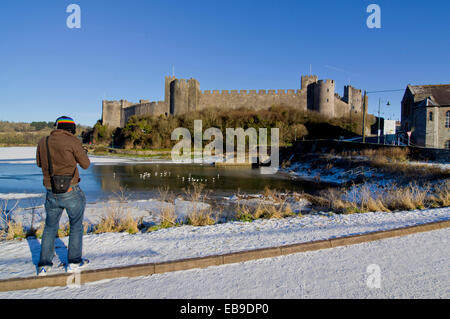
221	181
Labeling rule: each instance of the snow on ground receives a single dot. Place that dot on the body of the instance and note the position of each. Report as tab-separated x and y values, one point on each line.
9	153
333	175
8	196
443	166
27	155
18	258
338	176
414	266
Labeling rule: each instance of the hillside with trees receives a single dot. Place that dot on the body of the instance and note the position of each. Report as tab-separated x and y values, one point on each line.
149	132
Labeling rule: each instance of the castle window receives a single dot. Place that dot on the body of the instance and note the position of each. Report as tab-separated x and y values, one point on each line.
327	100
430	116
447	119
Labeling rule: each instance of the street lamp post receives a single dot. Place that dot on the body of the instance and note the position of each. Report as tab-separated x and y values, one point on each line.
365	108
379	118
364	118
351	122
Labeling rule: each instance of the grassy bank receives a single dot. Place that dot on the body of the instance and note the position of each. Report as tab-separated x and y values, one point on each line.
149	132
28	134
123	153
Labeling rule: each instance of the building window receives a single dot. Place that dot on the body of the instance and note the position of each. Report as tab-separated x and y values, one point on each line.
430	117
447	145
447	119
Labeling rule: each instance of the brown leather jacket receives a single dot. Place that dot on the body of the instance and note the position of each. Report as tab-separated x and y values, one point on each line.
66	151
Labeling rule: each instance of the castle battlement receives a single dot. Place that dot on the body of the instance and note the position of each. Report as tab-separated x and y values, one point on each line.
182	96
329	82
251	92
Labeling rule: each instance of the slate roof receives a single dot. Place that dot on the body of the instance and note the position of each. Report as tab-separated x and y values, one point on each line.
435	94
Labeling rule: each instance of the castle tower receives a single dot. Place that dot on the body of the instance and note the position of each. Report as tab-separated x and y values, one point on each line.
168	80
184	96
307	80
193	94
324	97
179	97
308	83
112	113
353	97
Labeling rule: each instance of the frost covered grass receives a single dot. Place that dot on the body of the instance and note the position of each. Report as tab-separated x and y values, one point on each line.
373	198
382	155
396	161
365	166
115	223
9	228
168	219
117	219
198	216
272	205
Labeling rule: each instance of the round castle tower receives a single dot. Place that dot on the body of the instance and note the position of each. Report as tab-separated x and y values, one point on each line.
324	97
184	96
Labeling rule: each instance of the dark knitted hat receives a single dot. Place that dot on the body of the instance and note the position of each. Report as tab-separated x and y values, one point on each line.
66	123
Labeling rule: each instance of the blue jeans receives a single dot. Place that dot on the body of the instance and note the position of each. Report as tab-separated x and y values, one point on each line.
74	202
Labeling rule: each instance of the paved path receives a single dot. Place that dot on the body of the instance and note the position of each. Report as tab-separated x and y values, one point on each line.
414	266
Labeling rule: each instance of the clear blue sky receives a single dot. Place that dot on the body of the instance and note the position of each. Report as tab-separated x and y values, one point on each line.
125	48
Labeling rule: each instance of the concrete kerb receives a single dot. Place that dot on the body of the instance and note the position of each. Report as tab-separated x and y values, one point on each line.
203	262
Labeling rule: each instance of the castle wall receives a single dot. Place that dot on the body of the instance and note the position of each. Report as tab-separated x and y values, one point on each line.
341	108
252	99
146	109
111	113
182	96
353	97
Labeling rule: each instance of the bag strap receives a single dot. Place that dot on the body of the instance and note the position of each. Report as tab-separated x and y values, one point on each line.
49	158
50	167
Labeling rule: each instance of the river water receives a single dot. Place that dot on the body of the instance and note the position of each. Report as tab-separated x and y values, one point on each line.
141	180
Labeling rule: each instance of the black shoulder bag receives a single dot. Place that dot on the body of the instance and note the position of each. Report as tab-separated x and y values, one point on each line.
60	183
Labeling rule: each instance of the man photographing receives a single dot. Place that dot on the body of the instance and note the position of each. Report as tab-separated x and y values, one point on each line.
58	156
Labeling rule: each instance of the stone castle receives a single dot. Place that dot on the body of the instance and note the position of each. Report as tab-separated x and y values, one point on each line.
182	96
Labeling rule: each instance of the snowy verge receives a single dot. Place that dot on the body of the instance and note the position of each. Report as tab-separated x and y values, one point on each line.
18	258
